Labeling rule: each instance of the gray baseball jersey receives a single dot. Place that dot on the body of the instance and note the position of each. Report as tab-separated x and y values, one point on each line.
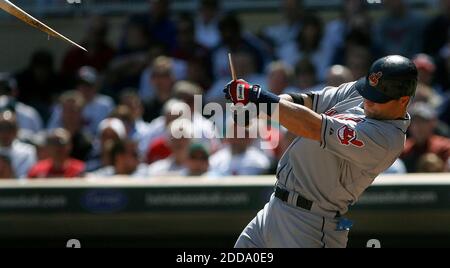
331	173
353	150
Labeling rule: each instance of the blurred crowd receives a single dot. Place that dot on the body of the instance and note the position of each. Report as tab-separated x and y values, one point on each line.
108	112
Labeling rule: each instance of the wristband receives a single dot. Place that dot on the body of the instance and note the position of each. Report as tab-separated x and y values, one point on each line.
257	95
297	98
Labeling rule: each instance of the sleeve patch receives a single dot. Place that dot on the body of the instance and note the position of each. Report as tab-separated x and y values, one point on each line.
348	136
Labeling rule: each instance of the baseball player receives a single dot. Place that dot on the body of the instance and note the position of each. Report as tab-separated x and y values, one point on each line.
347	135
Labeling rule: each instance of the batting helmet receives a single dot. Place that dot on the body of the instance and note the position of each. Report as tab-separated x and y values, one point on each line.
389	78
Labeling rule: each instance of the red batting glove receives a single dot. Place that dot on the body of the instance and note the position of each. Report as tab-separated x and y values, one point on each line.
238	91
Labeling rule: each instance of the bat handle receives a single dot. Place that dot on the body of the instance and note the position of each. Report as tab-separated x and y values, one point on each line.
233	72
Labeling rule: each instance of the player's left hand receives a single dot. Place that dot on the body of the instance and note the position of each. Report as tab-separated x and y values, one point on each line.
240	91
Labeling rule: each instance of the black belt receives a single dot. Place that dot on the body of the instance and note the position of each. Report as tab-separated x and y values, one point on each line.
302	202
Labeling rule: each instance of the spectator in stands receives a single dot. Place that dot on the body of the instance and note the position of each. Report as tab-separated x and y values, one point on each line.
96	106
204	130
124	161
279	78
338	75
72	106
110	130
158	149
39	83
422	139
292	21
234	39
154	145
431	163
426	68
22	155
206	25
158	23
136	39
179	70
426	94
123	113
186	92
434	36
308	44
354	18
306	76
431	93
197	163
193	53
443	69
425	91
59	164
28	119
357	57
239	157
199	73
6	169
162	79
138	127
400	31
134	69
179	138
187	47
100	52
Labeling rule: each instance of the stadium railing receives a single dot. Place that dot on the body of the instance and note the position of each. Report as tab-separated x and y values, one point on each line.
401	210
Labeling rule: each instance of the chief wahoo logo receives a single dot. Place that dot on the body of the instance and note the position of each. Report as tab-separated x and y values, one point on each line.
374	78
348	136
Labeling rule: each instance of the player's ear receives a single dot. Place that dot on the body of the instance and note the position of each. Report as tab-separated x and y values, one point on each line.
404	101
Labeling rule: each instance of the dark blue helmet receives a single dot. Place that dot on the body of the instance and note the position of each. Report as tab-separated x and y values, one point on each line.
389	78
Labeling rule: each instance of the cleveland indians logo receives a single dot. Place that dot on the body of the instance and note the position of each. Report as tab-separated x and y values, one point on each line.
374	78
348	136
